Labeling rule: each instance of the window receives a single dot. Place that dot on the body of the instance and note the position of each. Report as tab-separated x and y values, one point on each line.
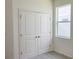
63	21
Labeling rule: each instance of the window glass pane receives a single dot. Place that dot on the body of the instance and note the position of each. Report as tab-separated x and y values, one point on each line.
63	30
64	13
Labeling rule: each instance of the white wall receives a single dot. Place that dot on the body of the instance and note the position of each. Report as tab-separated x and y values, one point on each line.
63	46
34	5
8	30
60	45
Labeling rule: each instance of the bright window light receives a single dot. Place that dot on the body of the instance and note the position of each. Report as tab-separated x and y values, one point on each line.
63	21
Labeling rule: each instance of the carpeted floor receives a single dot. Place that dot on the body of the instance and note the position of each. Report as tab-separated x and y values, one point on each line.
51	55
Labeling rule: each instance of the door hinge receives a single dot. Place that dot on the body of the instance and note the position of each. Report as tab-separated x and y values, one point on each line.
49	32
50	18
21	52
20	34
20	16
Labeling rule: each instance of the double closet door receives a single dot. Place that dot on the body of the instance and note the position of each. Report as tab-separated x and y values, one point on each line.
34	34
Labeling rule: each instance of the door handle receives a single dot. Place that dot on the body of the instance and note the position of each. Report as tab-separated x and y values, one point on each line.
38	36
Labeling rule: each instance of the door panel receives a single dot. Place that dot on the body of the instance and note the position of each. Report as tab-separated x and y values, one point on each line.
28	44
30	23
44	40
45	23
28	47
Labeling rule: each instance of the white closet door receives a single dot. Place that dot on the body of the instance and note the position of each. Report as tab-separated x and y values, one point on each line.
44	40
28	42
34	34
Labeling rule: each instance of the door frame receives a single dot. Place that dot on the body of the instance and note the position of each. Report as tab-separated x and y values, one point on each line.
19	16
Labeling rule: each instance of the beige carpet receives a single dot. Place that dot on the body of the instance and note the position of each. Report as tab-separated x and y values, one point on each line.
51	55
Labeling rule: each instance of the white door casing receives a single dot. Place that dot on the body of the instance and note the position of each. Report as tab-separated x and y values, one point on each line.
34	34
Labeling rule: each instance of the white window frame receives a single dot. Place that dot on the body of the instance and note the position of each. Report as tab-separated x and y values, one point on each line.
56	23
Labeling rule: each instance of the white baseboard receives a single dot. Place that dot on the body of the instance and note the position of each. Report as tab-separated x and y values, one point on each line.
62	53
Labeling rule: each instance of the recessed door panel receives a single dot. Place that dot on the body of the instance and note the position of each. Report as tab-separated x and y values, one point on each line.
29	23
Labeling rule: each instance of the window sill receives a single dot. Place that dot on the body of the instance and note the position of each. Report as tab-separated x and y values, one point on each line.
65	38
